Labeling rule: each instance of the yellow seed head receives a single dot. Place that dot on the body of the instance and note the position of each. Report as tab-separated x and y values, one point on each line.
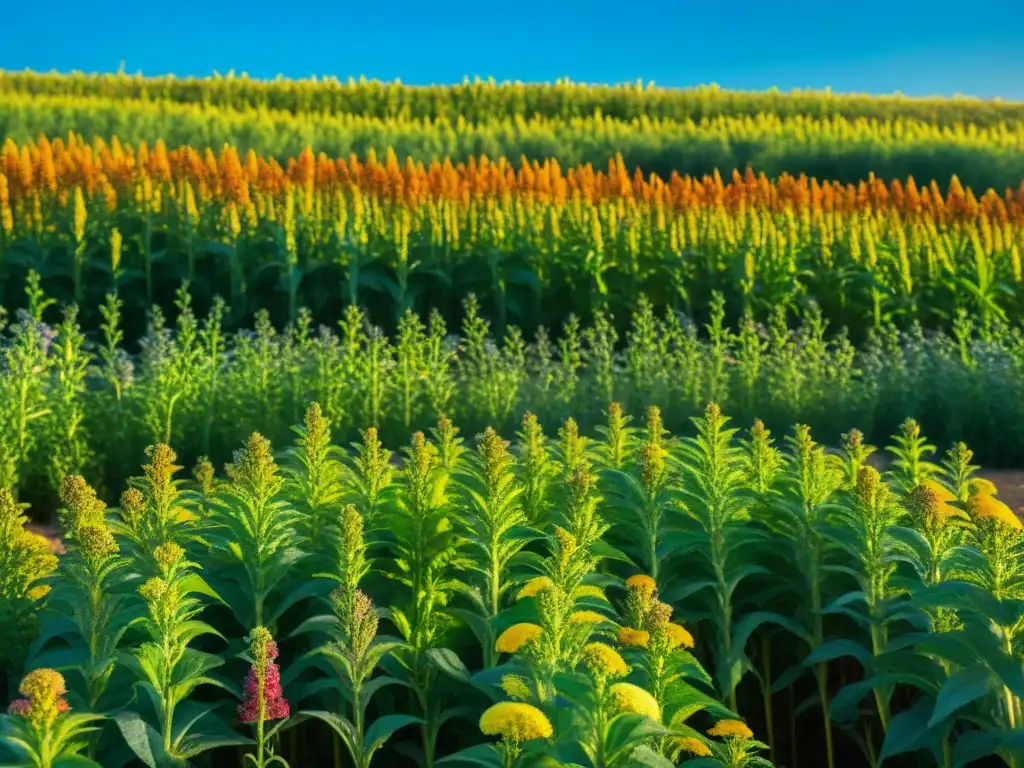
515	687
602	659
632	698
694	746
586	617
637	638
515	722
516	636
534	587
731	729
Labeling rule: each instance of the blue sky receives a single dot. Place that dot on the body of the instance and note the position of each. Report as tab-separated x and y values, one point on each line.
920	48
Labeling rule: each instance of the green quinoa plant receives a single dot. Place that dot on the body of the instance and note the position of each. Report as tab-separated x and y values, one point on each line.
40	729
801	514
25	562
535	470
371	475
618	439
495	532
712	488
91	596
354	651
314	475
252	532
67	445
426	548
163	726
154	510
644	497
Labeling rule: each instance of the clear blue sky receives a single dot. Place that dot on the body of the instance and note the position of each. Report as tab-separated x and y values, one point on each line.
919	47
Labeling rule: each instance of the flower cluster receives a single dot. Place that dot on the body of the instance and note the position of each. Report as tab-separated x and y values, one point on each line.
43	691
263	698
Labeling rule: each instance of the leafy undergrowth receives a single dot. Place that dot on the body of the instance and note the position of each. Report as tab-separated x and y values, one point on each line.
633	599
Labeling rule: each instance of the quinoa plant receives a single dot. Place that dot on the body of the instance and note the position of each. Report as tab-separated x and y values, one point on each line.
644	497
801	516
40	728
354	651
714	500
25	562
618	435
164	726
262	698
495	531
154	511
426	556
92	592
253	533
535	470
314	475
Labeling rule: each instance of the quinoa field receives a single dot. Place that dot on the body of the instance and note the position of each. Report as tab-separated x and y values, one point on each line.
350	424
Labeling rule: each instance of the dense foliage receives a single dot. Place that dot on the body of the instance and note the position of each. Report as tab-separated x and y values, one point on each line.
535	243
829	147
530	589
71	405
630	580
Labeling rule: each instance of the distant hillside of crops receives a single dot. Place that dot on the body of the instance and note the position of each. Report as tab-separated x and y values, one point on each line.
482	101
845	138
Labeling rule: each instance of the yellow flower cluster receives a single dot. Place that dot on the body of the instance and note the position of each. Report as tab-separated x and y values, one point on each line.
985	507
637	638
534	587
515	722
632	698
586	617
604	660
679	636
731	729
694	746
516	636
642	583
515	687
44	701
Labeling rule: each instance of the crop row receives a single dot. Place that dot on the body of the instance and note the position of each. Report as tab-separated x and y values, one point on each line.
69	405
564	595
480	101
830	147
534	242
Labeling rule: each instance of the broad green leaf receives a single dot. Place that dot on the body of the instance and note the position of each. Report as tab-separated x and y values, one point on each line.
383	727
140	736
960	690
481	754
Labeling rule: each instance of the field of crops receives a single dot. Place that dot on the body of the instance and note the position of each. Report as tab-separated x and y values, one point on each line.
507	425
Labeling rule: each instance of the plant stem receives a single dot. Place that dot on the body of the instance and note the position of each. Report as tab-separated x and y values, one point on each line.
725	606
766	692
818	638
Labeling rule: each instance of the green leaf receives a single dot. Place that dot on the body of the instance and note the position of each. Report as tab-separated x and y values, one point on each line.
196	584
838	648
448	662
973	745
959	691
644	755
746	626
341	726
383	727
144	741
908	732
481	754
